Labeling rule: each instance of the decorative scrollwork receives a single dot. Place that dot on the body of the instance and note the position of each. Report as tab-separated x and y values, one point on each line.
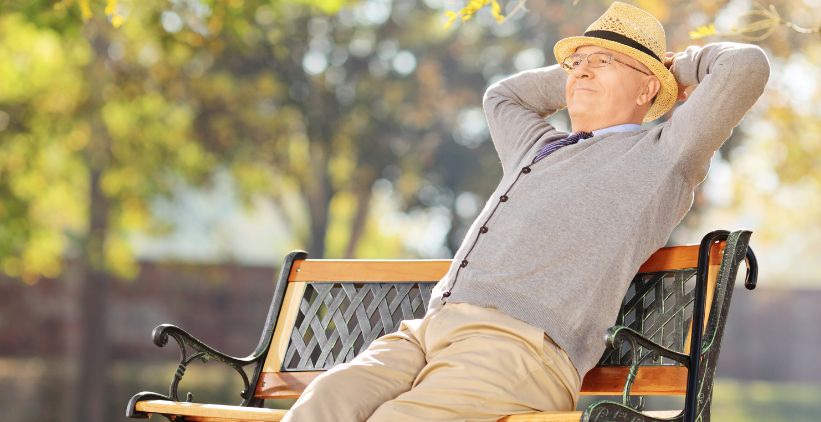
191	349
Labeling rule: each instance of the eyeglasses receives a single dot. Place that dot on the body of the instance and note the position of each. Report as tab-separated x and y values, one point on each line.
594	60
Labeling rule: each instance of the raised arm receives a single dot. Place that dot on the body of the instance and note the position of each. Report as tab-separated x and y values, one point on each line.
516	108
729	77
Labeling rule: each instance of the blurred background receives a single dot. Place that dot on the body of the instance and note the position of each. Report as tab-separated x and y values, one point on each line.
158	159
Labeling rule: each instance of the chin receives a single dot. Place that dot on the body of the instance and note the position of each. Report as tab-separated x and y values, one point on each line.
580	113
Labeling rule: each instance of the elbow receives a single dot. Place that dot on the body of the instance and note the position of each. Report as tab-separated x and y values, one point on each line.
492	94
752	66
493	99
488	97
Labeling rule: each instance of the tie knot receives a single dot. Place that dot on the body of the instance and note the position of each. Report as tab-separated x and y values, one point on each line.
571	139
580	135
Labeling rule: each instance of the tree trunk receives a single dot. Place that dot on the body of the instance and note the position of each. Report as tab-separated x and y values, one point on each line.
91	395
318	195
363	204
91	392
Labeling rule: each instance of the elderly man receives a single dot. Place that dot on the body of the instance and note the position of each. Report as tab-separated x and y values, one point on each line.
520	316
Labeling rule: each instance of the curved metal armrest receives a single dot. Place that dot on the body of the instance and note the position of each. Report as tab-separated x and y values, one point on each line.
192	349
617	335
183	338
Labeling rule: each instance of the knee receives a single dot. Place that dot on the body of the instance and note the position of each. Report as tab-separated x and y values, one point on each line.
328	397
333	384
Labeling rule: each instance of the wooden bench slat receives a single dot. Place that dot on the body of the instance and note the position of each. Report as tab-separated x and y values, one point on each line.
365	270
223	413
198	411
574	416
601	380
544	417
422	270
650	381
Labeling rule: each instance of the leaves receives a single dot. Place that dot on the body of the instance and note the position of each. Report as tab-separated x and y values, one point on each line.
110	11
703	32
763	22
472	7
115	18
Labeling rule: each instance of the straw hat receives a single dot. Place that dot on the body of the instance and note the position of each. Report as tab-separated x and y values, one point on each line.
636	33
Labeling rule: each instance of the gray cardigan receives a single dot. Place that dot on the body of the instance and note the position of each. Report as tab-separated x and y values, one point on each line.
558	241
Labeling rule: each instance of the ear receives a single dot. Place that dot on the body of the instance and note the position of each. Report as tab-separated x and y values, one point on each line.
649	89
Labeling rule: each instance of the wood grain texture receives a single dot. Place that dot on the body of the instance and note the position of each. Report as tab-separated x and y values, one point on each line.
573	416
432	270
368	270
221	413
601	380
712	279
285	325
197	411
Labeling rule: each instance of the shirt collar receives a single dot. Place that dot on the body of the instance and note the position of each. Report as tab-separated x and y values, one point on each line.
627	127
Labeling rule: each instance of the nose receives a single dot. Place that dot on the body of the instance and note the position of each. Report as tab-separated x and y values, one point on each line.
581	71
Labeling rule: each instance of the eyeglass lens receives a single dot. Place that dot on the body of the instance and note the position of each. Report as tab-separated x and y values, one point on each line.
594	60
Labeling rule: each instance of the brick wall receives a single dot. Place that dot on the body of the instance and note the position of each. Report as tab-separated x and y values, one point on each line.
771	334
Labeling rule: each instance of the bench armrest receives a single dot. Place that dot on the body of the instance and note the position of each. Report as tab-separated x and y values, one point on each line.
192	349
619	334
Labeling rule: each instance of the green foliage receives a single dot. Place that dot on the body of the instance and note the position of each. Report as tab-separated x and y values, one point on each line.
101	121
182	89
40	84
765	401
471	8
63	123
87	7
761	23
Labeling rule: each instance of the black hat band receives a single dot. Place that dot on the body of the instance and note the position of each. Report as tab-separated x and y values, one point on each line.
621	39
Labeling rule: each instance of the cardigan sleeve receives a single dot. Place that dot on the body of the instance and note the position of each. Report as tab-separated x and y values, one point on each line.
516	109
730	77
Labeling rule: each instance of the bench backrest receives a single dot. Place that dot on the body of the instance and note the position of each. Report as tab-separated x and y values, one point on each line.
327	311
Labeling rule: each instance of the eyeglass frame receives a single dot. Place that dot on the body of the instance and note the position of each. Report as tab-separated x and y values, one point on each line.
583	57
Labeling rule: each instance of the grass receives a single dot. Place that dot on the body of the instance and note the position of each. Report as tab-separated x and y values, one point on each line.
766	401
749	401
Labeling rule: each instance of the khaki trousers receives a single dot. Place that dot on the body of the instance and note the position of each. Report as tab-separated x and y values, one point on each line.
460	363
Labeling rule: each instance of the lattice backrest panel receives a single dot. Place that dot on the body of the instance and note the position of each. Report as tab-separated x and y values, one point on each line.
336	321
660	306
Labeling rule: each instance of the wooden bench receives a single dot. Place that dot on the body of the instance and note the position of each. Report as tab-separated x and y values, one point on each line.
325	312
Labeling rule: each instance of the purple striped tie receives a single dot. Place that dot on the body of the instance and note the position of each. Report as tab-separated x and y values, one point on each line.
553	146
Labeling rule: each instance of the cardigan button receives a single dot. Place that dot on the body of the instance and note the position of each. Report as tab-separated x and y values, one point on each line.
503	198
464	263
525	170
483	229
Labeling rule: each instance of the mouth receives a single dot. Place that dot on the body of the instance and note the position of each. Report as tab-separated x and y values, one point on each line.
583	89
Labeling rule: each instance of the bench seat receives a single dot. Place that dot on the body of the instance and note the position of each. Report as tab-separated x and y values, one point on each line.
221	413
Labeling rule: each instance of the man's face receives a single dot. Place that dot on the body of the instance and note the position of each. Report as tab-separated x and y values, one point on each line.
605	93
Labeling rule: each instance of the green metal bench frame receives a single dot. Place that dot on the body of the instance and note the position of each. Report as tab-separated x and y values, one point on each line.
337	320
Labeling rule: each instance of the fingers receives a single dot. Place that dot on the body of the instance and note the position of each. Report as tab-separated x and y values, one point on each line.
682	94
668	59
